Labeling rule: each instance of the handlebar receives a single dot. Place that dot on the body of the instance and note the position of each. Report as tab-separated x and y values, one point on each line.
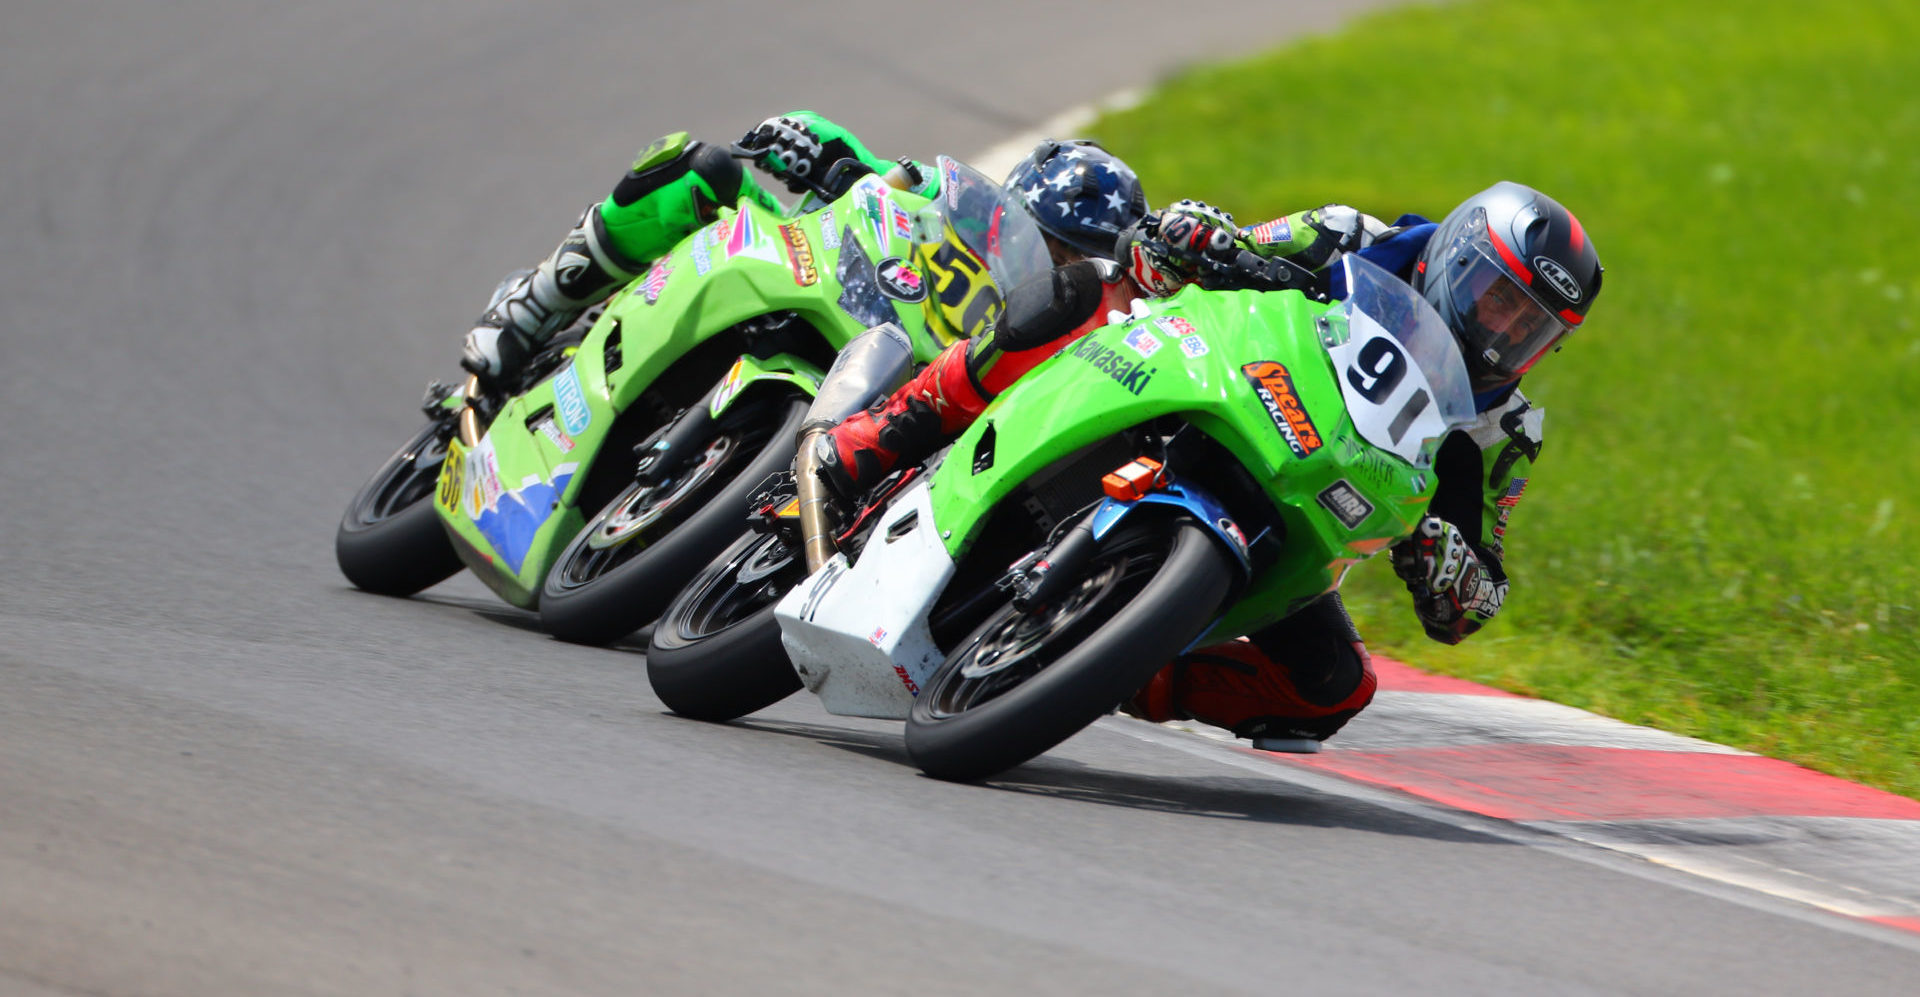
829	187
1240	269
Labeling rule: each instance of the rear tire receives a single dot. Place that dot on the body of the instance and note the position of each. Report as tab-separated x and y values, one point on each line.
716	652
598	595
390	541
1023	682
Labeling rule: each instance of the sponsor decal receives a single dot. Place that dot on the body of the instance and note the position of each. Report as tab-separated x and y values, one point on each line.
560	440
1558	276
873	203
902	222
655	281
1505	504
900	281
513	519
452	478
1178	328
1275	387
799	256
1142	342
1132	375
703	250
471	485
570	402
829	234
1270	233
730	385
1346	504
1377	468
906	680
743	235
1175	326
878	635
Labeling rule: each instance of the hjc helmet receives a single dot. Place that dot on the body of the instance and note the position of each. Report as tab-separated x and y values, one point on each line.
1512	272
1080	193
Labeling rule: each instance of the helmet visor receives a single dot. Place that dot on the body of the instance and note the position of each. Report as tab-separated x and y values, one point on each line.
1505	326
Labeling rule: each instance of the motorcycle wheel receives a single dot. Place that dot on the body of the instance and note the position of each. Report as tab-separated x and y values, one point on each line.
617	574
390	541
716	652
1023	682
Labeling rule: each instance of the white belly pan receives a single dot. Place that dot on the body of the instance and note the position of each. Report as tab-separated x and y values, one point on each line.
858	635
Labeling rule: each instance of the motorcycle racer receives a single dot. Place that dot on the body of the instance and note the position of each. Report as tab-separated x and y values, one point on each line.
1512	273
1082	196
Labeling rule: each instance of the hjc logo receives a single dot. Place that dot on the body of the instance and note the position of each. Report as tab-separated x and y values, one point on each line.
1558	276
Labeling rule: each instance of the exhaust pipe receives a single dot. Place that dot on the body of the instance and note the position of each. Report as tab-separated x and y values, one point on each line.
816	530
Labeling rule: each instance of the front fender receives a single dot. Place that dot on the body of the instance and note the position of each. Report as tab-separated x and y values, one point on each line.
1203	507
750	370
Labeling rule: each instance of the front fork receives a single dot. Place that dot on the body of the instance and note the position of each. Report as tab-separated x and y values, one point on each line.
1040	576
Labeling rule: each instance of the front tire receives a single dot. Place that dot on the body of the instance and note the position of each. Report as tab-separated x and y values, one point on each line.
1023	682
600	590
390	541
716	652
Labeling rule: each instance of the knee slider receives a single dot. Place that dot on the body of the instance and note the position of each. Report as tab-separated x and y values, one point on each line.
1043	309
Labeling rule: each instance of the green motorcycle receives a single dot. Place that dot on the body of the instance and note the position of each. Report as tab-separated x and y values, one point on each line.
1203	468
619	463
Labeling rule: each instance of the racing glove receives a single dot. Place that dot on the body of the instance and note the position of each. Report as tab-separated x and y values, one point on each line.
787	150
1454	592
1162	252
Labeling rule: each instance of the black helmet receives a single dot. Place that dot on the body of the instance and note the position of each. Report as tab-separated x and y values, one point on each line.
1081	194
1512	272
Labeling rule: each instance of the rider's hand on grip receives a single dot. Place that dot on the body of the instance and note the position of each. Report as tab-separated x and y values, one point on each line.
1166	251
1454	592
787	149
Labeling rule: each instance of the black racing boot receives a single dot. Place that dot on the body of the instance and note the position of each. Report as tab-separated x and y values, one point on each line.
526	311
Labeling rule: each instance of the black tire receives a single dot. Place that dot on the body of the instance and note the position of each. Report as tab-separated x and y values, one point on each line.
1150	589
390	541
716	652
598	595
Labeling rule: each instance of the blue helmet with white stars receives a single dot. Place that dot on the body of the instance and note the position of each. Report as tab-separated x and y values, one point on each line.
1080	193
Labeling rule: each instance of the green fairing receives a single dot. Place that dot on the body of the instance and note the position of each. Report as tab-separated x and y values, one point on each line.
748	273
1088	393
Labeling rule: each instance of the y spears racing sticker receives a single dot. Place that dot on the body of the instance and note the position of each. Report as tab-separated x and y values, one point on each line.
656	281
799	256
1346	504
900	281
1275	387
1132	375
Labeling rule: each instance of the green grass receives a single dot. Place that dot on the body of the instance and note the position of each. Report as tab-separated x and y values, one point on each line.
1721	536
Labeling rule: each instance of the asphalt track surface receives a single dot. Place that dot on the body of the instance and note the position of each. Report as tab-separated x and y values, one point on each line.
239	237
